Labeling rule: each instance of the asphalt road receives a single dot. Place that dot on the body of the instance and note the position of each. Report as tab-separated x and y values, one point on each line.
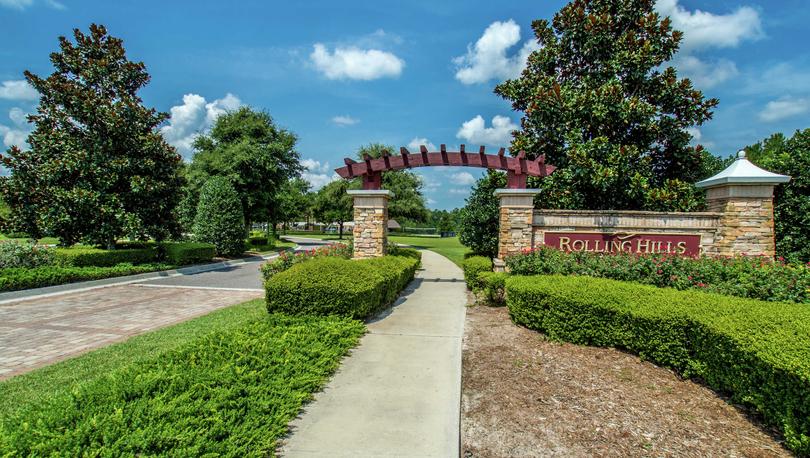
242	276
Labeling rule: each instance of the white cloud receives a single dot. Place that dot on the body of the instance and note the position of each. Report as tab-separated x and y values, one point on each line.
194	117
695	133
707	30
487	59
459	191
475	131
706	74
17	133
344	121
414	144
17	90
462	178
355	63
23	4
317	173
783	108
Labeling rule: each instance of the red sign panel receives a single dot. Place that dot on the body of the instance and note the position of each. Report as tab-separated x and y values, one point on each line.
641	243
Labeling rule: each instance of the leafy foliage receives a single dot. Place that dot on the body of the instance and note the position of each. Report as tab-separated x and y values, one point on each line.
28	254
286	260
17	278
756	351
791	200
227	388
219	218
333	205
599	102
757	278
95	257
478	220
256	156
474	265
329	285
185	253
97	168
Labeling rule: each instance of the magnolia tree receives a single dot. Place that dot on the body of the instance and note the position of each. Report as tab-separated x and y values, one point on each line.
599	100
97	168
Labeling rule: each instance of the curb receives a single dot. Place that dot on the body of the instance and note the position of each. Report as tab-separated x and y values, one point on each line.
35	293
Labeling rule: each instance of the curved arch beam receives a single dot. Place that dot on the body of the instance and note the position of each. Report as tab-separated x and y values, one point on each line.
517	168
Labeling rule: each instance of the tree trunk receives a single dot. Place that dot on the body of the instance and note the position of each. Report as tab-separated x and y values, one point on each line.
340	231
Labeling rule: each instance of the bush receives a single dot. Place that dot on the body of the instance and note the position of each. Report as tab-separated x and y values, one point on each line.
286	260
756	278
185	253
228	390
758	353
24	254
257	241
472	266
330	285
219	219
491	285
478	220
37	277
95	257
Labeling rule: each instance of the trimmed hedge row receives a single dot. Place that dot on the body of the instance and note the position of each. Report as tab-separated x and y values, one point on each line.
758	353
178	253
472	266
329	285
24	278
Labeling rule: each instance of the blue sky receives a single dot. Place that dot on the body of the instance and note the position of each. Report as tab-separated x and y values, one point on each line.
343	74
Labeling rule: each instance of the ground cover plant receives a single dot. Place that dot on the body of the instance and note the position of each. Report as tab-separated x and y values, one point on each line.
752	277
758	353
17	278
15	253
329	285
286	260
224	384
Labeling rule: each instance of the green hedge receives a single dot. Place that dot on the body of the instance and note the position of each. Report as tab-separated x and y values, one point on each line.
491	287
184	253
24	278
757	352
472	266
96	257
257	241
331	285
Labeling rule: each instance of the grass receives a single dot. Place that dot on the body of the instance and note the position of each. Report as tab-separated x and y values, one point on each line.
227	383
42	241
448	247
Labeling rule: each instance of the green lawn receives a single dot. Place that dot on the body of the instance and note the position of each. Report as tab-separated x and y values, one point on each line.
449	247
227	383
42	241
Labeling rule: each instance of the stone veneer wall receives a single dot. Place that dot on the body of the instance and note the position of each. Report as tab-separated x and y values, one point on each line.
370	226
706	224
746	225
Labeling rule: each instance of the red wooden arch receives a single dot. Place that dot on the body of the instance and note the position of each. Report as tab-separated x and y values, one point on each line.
517	168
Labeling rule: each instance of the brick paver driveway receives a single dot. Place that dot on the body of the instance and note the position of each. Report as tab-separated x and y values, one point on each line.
40	331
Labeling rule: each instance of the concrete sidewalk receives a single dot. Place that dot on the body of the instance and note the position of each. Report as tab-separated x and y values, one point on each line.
398	394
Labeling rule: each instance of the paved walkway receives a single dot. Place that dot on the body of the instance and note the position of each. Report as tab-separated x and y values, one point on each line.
398	394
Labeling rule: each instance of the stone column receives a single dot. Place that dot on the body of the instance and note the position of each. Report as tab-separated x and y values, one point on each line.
370	222
514	222
743	194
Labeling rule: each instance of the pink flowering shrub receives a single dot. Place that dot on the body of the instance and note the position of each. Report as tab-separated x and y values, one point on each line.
287	260
753	277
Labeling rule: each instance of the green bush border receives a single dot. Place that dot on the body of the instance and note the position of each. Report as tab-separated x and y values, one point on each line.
472	266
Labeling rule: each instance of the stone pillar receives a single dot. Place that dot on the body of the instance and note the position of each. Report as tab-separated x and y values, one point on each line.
370	222
515	232
743	194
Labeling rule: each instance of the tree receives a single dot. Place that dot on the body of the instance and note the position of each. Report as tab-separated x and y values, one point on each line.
791	200
599	102
97	168
478	220
408	202
256	156
219	218
334	205
293	201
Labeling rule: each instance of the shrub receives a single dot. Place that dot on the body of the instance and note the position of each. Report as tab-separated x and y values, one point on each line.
219	219
758	353
472	266
756	278
491	286
286	260
257	241
24	254
37	277
185	253
95	257
478	220
330	285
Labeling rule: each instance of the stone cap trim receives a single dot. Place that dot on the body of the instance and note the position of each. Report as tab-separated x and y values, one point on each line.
516	192
628	213
370	192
